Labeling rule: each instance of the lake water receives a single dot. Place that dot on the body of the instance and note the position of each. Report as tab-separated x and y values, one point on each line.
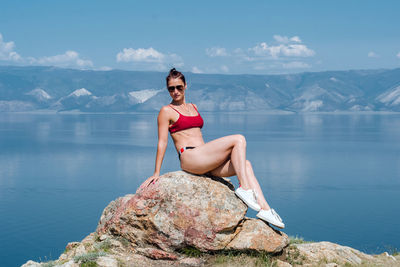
330	177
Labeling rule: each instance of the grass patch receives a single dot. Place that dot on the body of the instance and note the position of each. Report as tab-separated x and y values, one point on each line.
89	264
232	257
49	264
88	259
294	256
191	252
104	246
393	250
225	256
242	258
297	240
264	259
125	242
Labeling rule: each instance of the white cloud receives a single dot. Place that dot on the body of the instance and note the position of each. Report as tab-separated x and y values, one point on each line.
68	59
295	39
286	50
216	52
156	59
297	50
373	54
398	55
196	70
285	39
296	65
283	53
140	55
7	51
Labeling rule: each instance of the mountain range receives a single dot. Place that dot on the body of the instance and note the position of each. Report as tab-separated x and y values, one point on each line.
36	88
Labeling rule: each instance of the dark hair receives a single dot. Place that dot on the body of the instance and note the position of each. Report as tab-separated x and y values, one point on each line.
174	74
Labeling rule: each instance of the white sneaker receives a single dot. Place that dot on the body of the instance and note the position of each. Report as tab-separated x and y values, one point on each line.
248	197
272	217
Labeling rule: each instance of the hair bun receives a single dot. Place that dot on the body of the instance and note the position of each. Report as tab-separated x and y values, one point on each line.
174	74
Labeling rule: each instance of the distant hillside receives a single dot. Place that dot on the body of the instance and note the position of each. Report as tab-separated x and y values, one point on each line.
50	88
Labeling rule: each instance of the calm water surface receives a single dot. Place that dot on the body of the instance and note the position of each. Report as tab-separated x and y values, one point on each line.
330	177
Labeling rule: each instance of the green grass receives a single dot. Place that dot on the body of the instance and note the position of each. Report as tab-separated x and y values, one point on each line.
393	250
104	246
89	258
49	264
297	240
325	260
227	256
89	264
191	252
294	256
264	259
260	258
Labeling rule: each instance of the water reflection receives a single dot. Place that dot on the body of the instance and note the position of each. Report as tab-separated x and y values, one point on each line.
9	169
43	130
319	171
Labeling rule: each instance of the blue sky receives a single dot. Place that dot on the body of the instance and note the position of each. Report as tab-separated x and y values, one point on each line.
255	37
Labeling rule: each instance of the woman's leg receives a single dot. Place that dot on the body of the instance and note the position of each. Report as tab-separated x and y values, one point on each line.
227	170
212	155
224	157
256	186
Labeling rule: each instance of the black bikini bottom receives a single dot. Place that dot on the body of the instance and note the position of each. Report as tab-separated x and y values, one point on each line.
183	149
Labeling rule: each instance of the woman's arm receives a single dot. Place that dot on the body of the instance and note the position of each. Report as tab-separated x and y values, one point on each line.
163	122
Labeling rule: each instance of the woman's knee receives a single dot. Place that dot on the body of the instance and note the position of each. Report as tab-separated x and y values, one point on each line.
240	139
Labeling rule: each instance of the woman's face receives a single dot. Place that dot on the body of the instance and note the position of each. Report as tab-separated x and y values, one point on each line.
176	89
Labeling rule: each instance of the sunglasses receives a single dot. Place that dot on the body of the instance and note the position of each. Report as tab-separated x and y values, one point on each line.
178	87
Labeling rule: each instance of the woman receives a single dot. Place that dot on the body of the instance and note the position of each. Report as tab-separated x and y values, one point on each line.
223	157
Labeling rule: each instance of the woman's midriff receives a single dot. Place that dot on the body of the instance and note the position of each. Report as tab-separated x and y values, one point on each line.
188	137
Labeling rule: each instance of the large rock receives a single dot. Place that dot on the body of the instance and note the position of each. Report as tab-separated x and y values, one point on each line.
183	210
331	254
253	234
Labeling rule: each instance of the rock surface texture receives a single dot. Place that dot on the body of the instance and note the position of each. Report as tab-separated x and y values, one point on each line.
183	210
331	254
181	221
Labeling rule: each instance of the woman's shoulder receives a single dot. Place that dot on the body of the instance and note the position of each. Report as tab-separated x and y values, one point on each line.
166	111
166	108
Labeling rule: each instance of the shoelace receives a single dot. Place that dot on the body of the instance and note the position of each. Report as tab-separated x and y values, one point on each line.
276	214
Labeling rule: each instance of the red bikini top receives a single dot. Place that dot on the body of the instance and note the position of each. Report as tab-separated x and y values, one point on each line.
186	122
